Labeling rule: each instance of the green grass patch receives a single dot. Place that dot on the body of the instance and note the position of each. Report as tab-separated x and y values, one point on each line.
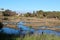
40	37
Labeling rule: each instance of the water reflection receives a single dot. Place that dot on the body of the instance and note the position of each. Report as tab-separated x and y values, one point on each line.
48	32
26	29
42	27
57	26
10	31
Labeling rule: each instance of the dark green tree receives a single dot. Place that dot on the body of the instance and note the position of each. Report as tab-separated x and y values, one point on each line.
9	13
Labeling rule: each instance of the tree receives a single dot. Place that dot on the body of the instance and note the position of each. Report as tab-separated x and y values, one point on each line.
34	14
8	13
27	14
2	8
39	13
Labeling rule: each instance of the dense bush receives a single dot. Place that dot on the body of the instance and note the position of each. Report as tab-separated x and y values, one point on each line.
5	19
4	36
1	25
9	13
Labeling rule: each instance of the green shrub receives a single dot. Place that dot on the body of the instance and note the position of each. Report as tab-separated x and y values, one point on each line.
5	19
1	25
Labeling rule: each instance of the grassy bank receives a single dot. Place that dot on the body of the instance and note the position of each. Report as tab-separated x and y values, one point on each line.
40	37
4	36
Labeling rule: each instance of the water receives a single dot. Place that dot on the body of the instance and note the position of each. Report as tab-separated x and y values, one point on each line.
41	27
26	29
14	31
48	32
10	31
57	26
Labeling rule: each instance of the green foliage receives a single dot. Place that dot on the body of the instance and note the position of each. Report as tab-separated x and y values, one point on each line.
30	27
5	19
28	14
43	14
4	36
38	14
1	25
8	13
40	37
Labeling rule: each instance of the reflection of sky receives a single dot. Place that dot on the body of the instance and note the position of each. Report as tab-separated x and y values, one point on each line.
25	28
10	31
13	31
48	32
20	25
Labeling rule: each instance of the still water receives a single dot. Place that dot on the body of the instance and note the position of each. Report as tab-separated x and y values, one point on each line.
26	29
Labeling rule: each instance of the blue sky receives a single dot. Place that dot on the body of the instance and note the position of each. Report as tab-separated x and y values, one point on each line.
30	5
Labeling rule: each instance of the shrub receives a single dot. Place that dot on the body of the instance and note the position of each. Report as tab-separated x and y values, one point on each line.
1	25
5	19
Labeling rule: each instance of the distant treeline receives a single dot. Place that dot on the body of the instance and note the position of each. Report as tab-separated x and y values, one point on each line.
39	14
43	14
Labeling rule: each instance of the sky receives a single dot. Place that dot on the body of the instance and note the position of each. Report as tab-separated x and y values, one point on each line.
30	5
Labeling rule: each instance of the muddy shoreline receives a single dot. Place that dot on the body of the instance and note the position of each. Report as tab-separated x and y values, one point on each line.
35	22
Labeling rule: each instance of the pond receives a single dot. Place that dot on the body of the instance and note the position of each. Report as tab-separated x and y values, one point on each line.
48	32
57	26
26	29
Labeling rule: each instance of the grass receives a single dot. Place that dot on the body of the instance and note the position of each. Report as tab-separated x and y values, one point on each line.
4	36
40	37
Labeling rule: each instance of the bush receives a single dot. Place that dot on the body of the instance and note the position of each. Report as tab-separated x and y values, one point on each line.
5	19
1	25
